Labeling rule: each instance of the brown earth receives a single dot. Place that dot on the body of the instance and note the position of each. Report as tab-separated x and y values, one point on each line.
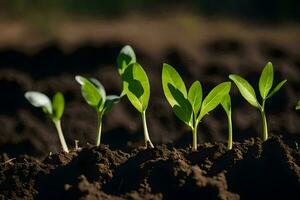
252	170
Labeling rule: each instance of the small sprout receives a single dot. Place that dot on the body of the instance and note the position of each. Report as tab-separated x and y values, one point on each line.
226	104
53	109
137	88
265	85
94	94
188	105
135	85
298	105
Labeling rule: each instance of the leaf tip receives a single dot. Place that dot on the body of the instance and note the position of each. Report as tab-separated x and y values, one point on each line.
231	76
78	79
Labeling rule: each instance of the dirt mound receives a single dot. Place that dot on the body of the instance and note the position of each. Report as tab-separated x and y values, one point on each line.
252	170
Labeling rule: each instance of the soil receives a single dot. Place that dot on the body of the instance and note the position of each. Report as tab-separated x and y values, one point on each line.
32	167
251	170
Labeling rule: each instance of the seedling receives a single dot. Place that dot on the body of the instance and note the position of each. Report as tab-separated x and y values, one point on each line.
298	105
53	109
226	104
265	85
135	85
94	94
188	106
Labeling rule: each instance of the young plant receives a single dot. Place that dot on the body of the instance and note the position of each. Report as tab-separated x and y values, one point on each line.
188	105
135	85
53	109
94	94
298	105
265	85
226	104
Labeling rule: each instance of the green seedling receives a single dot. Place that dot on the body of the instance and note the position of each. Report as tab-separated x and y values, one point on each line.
265	85
137	89
298	105
53	109
94	94
135	85
188	105
226	104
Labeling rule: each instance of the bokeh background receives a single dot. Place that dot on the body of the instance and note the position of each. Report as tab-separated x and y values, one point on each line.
44	44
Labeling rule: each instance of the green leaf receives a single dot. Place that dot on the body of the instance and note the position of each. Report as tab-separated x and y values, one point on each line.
195	97
137	86
58	105
181	113
125	58
90	92
226	104
214	98
298	105
266	80
276	89
39	99
110	101
171	76
183	108
245	89
99	86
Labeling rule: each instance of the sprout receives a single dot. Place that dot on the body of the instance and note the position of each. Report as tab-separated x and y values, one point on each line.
53	109
265	85
135	85
226	104
188	105
94	94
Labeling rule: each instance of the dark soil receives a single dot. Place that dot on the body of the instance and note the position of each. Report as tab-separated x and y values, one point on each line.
252	170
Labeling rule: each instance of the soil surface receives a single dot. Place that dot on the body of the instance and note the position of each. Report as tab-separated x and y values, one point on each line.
252	170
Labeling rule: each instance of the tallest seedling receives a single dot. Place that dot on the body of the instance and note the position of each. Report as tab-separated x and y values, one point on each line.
135	85
265	85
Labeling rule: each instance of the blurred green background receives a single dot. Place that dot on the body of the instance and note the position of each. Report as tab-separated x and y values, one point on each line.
262	10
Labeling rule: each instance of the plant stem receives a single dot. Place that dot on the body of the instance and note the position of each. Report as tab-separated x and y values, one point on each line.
57	124
229	132
146	134
99	129
264	122
194	147
265	126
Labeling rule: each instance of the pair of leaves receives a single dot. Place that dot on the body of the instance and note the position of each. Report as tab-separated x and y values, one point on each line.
188	106
135	83
265	85
94	94
125	58
135	80
54	109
